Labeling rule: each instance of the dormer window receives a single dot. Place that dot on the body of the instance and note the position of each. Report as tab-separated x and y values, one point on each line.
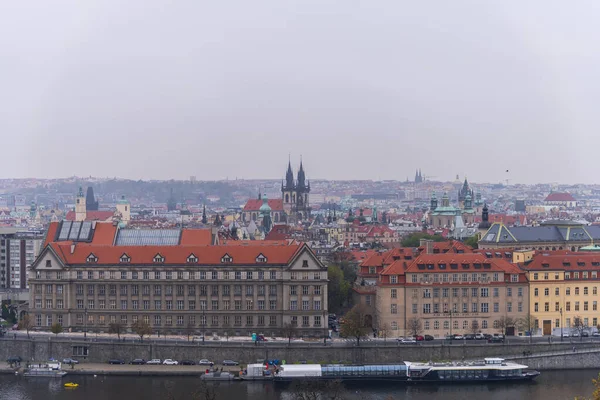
92	258
304	263
48	264
192	258
158	258
226	259
261	258
125	259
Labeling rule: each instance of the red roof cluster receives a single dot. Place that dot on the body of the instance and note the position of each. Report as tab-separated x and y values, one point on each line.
92	215
560	197
254	204
561	260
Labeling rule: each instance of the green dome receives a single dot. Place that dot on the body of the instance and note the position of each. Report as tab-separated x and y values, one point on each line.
265	205
122	200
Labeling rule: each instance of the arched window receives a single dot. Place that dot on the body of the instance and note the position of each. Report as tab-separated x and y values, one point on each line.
276	217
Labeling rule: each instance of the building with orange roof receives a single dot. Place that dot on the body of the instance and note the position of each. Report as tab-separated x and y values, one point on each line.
564	291
91	274
449	293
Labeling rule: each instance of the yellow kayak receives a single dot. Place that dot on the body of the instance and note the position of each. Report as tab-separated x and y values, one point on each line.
71	385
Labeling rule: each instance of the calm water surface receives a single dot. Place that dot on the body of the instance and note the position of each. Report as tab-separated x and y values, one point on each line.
549	386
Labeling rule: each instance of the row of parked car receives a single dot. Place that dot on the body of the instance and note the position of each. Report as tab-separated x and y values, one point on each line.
169	361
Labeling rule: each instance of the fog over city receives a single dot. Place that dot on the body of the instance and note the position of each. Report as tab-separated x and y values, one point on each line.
360	89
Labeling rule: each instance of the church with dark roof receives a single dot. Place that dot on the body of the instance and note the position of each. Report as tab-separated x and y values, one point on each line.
295	195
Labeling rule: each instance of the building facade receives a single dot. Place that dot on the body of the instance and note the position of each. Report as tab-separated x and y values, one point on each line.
563	288
453	294
18	250
235	289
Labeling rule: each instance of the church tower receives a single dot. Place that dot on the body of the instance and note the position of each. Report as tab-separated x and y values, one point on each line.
124	208
288	190
80	210
302	191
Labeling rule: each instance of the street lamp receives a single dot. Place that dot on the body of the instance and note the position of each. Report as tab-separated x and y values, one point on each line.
203	322
85	326
450	313
561	325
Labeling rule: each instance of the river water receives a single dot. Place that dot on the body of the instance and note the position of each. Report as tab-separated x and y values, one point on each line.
551	385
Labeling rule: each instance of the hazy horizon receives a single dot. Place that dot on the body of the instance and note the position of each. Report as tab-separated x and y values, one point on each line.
359	90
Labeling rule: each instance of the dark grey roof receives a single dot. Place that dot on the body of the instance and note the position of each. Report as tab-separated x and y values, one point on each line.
537	233
499	233
593	231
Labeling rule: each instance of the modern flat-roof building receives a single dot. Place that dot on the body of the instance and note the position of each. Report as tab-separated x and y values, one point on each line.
18	250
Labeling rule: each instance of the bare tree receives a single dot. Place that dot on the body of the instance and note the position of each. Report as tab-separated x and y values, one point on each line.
527	324
26	324
189	330
116	328
504	323
289	330
579	326
355	323
474	326
385	331
414	326
141	329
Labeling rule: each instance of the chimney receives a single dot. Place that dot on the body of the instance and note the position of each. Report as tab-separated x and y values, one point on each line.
427	244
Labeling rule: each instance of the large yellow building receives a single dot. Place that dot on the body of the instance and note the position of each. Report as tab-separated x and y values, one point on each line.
563	289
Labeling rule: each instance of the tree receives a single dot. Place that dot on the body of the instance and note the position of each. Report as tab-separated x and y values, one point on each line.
189	330
141	328
116	328
505	322
289	330
474	326
56	328
414	239
414	326
472	241
337	289
385	331
527	324
596	393
26	324
579	326
355	323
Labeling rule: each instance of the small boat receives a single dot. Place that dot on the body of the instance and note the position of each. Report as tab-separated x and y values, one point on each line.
218	376
51	369
71	385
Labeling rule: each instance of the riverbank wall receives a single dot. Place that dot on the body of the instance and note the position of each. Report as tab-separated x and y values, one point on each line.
367	353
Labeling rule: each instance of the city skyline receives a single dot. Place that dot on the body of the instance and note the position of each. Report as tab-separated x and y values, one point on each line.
142	91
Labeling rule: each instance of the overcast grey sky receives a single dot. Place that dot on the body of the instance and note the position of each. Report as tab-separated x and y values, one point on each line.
362	89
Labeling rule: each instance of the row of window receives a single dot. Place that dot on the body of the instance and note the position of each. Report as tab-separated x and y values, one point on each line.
576	275
179	275
475	308
568	323
464	277
180	320
459	292
224	305
586	306
567	291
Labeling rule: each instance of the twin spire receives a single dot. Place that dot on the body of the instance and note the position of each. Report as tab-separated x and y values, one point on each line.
300	183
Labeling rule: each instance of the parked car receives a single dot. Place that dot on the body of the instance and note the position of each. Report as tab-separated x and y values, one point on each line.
585	334
495	339
138	361
406	340
458	337
565	334
596	334
169	361
428	337
230	362
419	338
187	362
500	335
14	359
116	361
487	336
469	336
70	361
575	334
479	336
154	361
204	361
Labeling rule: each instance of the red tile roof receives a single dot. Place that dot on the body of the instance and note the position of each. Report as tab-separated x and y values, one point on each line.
561	261
196	237
254	204
92	215
176	255
560	197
